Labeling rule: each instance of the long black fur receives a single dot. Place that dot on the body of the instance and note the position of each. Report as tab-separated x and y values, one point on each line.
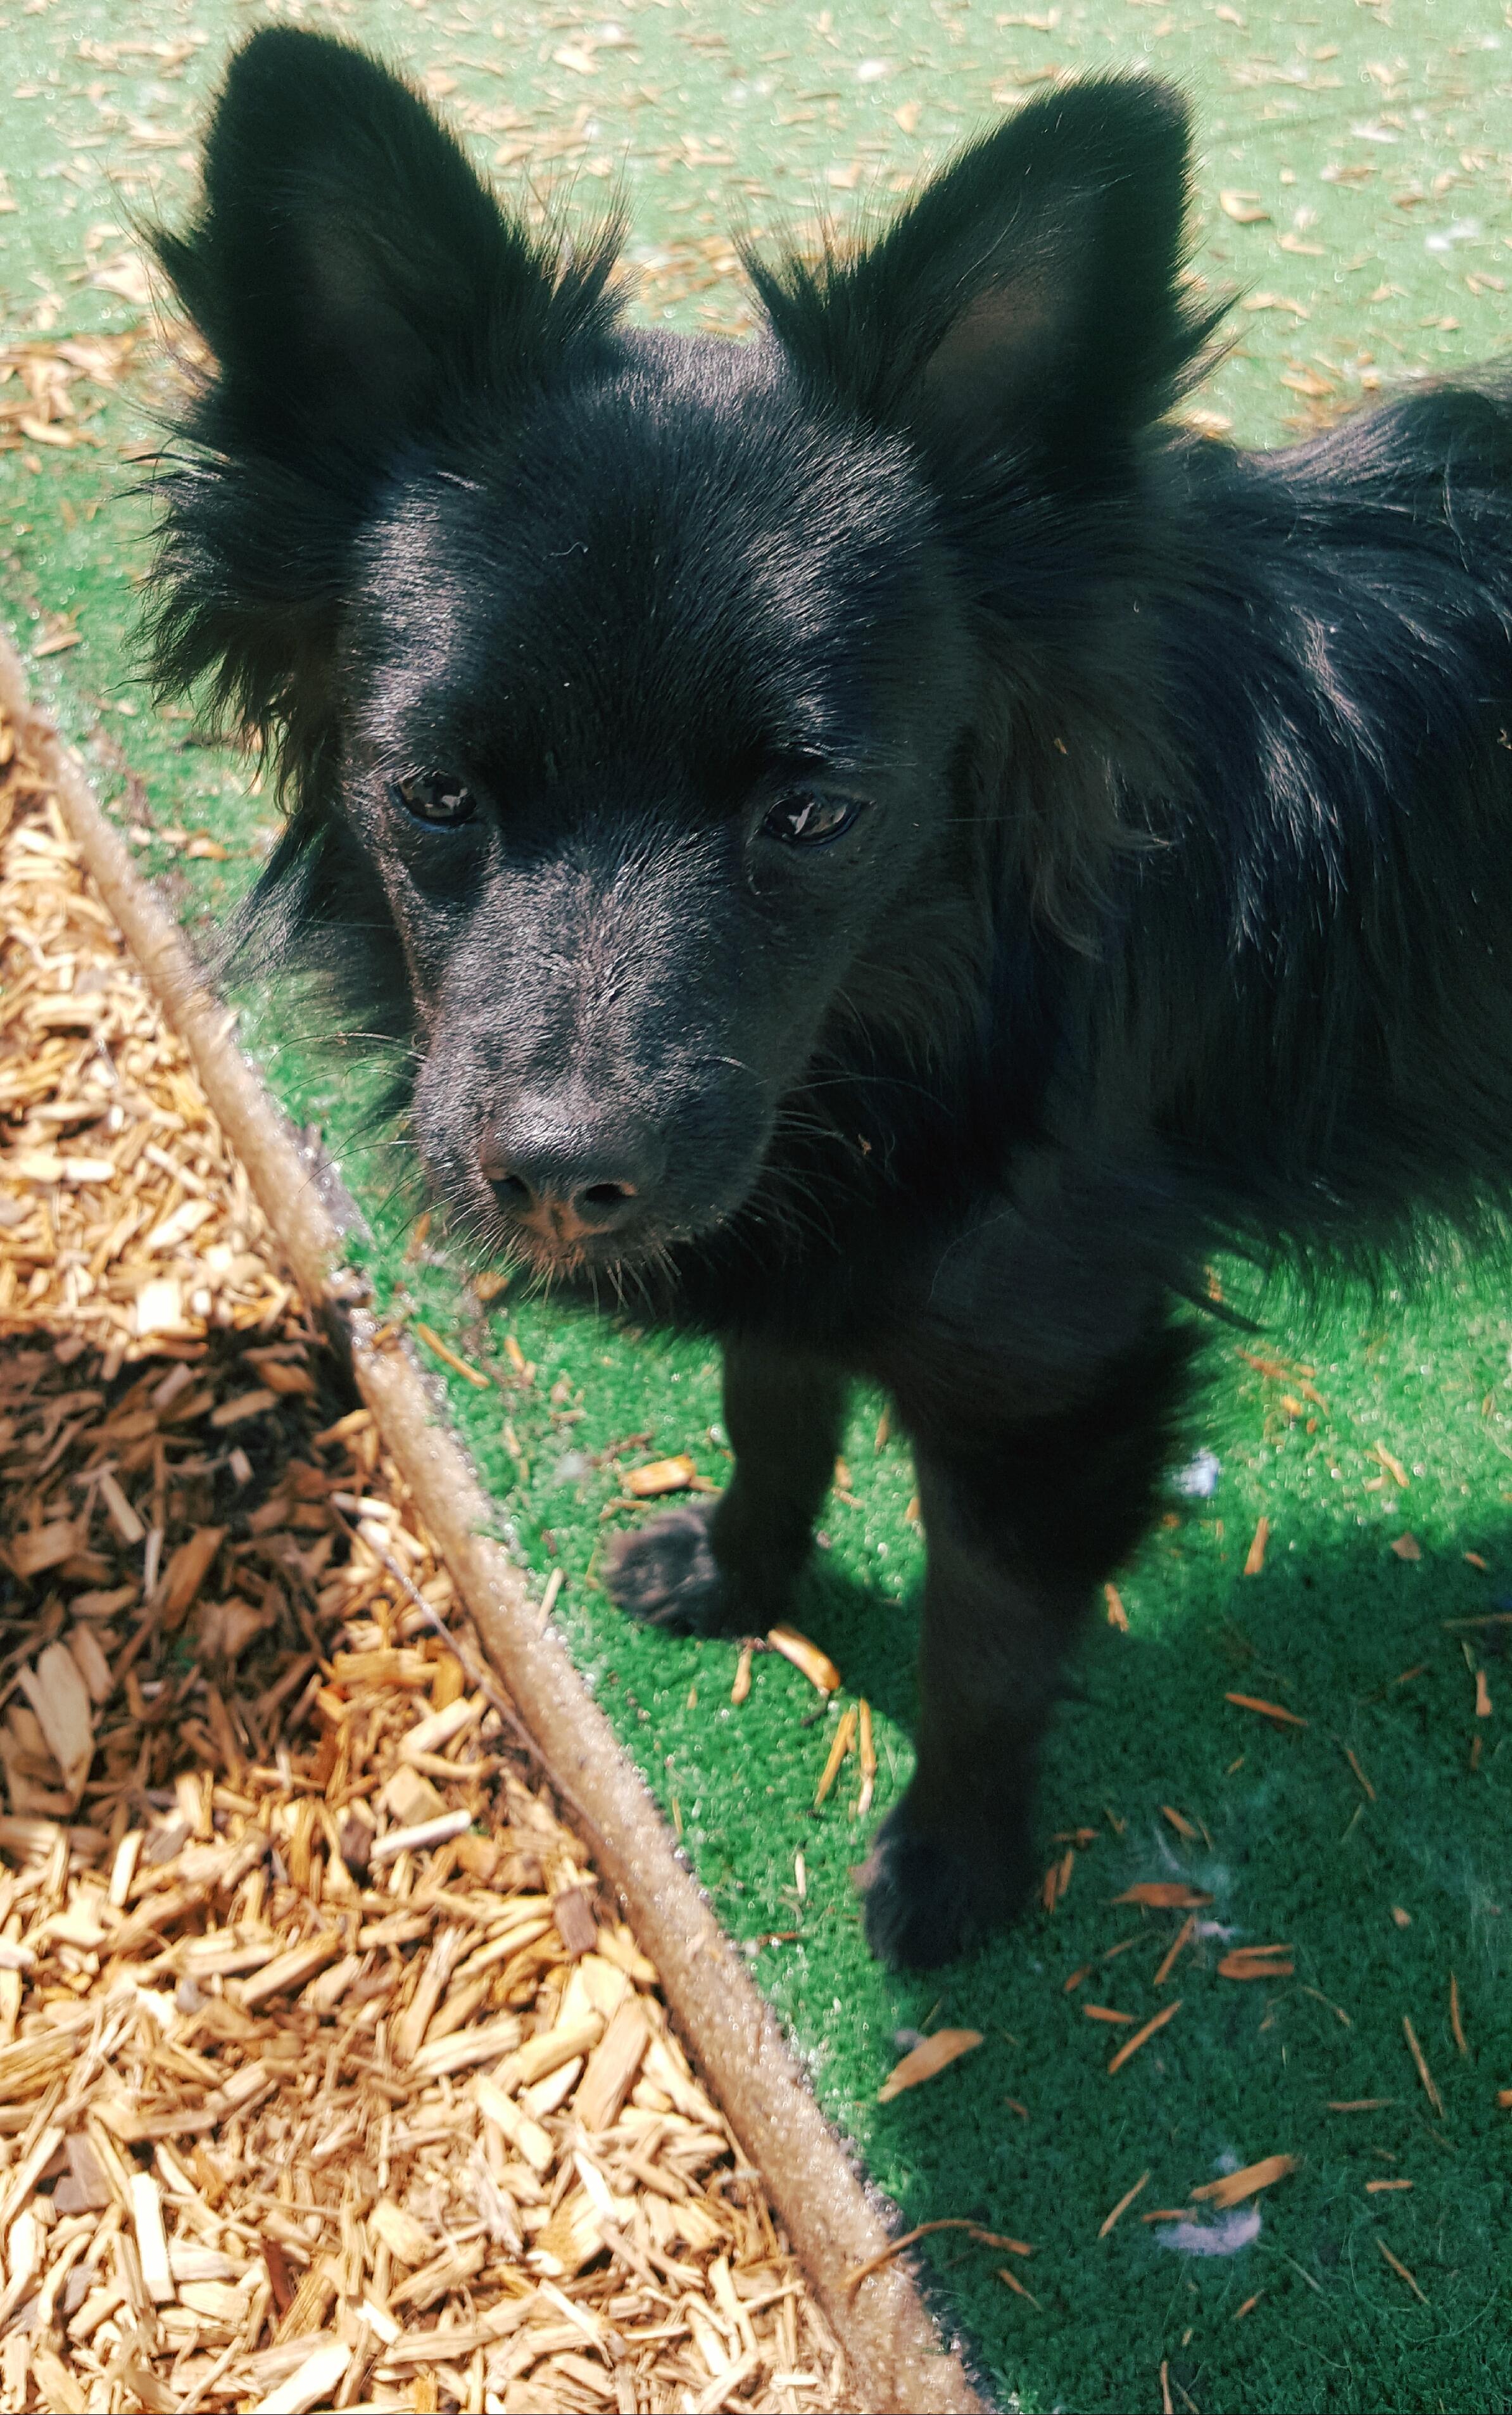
1173	913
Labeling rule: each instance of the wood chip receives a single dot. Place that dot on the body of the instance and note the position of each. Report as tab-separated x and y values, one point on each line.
60	1699
1255	1557
612	2068
399	2232
187	1572
442	1728
311	2384
573	1912
152	2239
422	1836
526	2136
287	1973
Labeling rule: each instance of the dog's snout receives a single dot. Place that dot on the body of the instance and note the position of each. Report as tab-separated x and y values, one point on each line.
567	1182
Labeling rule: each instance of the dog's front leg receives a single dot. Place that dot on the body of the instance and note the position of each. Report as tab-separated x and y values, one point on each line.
728	1566
1024	1517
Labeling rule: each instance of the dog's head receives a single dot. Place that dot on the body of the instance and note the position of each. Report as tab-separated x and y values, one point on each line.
629	685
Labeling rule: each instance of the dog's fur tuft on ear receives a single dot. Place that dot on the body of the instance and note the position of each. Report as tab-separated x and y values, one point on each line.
1030	297
364	298
352	274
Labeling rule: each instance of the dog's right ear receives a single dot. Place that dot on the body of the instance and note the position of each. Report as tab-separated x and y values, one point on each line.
1029	303
348	270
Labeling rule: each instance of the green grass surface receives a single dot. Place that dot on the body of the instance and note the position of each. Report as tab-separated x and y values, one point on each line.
1378	140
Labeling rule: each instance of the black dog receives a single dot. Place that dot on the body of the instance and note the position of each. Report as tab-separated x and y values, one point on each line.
885	846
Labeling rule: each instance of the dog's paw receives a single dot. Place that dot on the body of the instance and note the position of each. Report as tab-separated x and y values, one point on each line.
930	1897
667	1574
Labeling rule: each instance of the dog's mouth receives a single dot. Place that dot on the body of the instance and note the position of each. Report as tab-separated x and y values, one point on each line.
611	1266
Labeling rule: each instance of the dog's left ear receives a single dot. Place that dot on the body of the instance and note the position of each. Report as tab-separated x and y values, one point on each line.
1028	301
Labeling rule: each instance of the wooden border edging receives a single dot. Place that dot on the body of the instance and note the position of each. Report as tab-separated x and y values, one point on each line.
897	2359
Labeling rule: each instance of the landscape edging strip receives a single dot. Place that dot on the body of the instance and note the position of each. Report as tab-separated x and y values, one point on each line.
897	2359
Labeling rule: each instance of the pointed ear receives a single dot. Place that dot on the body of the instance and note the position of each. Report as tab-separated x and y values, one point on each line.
347	267
1029	300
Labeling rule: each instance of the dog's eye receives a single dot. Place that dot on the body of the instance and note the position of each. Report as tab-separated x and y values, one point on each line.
436	797
806	818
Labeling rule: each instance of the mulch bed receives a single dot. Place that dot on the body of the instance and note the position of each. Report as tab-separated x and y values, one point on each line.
328	2077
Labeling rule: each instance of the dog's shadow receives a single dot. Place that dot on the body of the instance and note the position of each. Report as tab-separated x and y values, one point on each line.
1364	1833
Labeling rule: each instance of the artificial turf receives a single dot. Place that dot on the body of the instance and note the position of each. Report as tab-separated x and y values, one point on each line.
1377	141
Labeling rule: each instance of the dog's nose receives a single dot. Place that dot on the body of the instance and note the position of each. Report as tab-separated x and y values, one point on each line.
567	1183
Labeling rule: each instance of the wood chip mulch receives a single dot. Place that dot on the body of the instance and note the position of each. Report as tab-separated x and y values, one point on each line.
328	2076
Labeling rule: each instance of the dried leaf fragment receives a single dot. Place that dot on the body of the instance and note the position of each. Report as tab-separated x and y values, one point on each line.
1131	2046
1235	2187
934	2055
867	1750
1175	1950
1265	1710
817	1666
845	1736
1430	2089
860	2272
660	1476
1400	2270
1165	1894
1124	2203
449	1357
1257	1962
